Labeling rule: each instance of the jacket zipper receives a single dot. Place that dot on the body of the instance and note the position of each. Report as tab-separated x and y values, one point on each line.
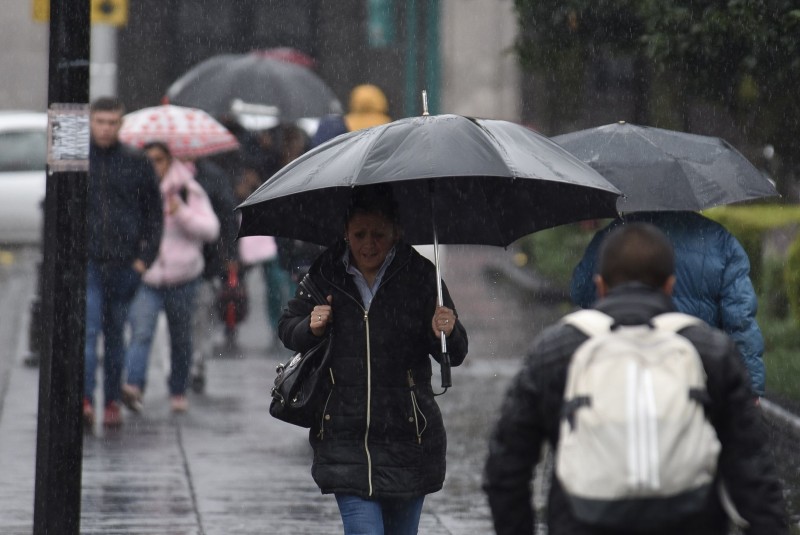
104	205
369	371
369	404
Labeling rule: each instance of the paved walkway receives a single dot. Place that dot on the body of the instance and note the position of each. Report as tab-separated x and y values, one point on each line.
227	467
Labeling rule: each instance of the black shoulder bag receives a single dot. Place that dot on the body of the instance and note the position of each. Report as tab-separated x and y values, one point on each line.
303	383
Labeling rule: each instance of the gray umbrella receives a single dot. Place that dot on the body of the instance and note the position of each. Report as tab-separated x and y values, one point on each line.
455	180
257	88
667	170
490	182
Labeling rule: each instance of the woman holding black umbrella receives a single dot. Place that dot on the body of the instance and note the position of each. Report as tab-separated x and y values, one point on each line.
380	443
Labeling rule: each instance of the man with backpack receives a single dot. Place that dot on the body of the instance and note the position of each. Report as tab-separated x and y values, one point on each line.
649	413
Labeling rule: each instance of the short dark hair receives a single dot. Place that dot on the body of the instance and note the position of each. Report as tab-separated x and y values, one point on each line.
157	145
636	252
372	199
107	104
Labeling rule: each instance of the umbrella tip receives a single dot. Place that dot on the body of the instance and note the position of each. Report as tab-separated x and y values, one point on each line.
424	103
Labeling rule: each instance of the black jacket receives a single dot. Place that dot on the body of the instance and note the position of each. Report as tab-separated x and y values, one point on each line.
530	416
381	434
218	187
125	218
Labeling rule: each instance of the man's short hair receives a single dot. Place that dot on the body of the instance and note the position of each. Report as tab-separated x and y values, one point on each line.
112	104
636	252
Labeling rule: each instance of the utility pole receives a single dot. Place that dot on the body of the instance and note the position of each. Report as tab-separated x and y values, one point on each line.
59	447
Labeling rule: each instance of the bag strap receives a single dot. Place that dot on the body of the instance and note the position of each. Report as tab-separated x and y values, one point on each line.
593	322
589	321
675	321
307	285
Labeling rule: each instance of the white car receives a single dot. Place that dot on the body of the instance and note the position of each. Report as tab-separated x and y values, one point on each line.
23	157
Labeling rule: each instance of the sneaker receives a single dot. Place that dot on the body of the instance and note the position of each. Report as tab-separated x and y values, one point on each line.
179	403
112	415
88	414
132	397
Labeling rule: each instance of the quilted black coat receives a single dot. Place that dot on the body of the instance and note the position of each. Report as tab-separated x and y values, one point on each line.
381	433
531	416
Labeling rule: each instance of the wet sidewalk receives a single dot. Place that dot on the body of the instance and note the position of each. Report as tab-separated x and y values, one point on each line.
226	466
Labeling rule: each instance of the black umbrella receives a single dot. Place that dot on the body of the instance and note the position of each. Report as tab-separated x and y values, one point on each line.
667	170
258	89
455	179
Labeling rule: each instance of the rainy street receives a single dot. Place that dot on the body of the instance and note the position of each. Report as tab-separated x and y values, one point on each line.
228	467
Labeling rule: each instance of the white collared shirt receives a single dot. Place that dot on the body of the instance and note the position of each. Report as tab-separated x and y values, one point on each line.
367	292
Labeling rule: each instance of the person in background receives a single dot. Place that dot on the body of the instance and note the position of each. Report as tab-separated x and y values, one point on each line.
368	107
219	257
124	232
713	280
634	281
282	261
171	282
380	444
262	252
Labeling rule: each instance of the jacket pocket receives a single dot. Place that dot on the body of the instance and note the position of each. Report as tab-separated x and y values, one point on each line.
325	416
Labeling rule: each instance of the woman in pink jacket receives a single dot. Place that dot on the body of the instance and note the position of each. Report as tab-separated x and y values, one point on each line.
170	284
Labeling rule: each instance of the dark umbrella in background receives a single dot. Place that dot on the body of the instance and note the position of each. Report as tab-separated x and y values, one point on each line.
667	170
259	89
455	179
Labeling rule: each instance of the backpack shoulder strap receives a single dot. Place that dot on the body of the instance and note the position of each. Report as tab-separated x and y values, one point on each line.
589	321
675	321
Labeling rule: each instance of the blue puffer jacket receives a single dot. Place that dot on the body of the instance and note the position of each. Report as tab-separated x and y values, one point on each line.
713	280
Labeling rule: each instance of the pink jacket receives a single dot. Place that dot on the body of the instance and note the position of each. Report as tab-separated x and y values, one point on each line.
193	223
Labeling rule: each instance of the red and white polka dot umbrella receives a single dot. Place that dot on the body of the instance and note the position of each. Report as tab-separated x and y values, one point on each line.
188	132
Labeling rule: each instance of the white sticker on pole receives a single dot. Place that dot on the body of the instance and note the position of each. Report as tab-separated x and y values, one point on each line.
68	137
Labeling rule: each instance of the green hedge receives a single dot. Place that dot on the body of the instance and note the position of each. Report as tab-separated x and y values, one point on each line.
555	252
791	275
775	276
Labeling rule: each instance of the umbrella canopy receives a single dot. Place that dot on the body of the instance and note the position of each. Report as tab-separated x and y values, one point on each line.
258	89
188	132
472	181
666	170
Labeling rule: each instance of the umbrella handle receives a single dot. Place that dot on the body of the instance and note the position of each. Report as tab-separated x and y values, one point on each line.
447	382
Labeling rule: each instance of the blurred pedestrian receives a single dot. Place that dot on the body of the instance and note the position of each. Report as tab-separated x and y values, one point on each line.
284	266
713	280
379	444
219	258
170	284
261	252
634	282
124	232
368	107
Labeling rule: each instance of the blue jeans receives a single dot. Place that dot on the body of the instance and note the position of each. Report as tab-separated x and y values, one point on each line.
109	290
178	305
280	288
379	517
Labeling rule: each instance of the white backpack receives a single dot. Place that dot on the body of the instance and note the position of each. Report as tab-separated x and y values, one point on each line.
636	449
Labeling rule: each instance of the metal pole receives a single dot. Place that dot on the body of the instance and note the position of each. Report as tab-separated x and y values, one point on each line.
432	53
59	446
411	58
